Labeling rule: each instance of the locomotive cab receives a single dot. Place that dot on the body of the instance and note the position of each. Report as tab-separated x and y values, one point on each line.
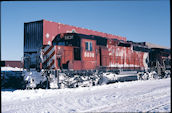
70	43
78	51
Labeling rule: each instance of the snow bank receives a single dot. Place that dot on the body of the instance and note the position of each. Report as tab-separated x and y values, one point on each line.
135	96
107	78
11	69
152	75
33	78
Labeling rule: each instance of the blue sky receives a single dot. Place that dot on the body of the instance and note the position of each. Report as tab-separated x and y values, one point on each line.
140	21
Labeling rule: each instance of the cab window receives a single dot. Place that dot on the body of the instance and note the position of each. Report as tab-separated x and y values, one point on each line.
88	46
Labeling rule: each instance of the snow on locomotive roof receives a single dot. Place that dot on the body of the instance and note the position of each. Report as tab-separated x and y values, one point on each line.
151	45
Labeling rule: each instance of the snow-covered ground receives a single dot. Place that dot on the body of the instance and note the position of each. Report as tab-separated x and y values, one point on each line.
11	69
135	96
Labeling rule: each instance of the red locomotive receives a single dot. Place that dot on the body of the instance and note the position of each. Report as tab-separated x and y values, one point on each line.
75	51
81	49
53	46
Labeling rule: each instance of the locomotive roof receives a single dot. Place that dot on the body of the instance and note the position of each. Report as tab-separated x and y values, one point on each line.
92	37
161	50
99	40
137	46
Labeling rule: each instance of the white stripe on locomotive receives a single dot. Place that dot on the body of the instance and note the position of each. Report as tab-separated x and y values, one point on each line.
46	47
48	54
45	57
